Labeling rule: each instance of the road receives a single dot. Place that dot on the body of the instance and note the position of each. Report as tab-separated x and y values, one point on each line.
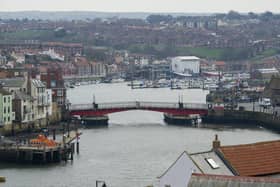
256	107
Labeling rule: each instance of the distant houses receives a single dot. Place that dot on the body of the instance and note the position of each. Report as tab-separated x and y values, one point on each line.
31	99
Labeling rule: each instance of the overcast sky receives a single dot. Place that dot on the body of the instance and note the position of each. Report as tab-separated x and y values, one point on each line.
143	5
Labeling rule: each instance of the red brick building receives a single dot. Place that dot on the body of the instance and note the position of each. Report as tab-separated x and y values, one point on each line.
52	77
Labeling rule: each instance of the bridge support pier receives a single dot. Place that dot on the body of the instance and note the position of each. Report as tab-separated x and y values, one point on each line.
95	121
183	120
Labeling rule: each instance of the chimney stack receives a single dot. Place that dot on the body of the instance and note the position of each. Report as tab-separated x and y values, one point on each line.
216	143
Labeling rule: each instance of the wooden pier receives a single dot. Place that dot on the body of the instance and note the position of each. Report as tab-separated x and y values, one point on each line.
2	179
41	153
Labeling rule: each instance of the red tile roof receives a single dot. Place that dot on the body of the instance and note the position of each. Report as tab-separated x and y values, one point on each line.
81	61
219	63
253	159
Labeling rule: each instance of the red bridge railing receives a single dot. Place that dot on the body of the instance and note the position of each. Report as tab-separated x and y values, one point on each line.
137	105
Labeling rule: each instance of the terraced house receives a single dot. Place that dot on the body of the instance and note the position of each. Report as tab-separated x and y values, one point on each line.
6	113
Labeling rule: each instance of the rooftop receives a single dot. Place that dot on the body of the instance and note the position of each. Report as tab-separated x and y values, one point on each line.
187	58
268	70
12	82
81	61
274	83
257	159
63	44
4	92
232	181
200	159
37	83
23	96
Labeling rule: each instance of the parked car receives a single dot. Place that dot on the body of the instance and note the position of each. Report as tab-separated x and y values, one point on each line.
244	99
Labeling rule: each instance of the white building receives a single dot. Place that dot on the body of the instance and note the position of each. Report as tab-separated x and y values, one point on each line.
185	65
38	91
49	101
53	55
3	60
179	173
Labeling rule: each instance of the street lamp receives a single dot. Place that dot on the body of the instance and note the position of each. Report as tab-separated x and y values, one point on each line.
103	184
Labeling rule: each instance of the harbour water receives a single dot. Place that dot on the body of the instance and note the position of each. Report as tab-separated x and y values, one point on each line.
136	147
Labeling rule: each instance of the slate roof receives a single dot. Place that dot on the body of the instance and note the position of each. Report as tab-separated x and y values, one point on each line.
4	92
198	180
274	83
23	96
200	161
38	83
257	159
14	82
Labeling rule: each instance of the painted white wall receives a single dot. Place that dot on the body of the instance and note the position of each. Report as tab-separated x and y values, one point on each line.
49	101
185	64
179	174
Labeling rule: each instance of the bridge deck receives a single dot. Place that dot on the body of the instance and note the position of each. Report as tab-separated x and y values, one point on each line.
137	105
165	107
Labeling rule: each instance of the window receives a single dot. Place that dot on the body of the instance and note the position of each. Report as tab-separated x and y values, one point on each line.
8	109
60	101
212	163
53	83
4	119
4	110
59	92
4	99
9	99
8	119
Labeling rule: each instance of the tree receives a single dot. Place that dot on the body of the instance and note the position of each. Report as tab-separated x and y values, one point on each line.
233	15
252	15
156	19
266	16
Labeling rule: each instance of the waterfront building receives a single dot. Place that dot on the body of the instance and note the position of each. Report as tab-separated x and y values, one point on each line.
153	71
24	108
98	69
38	92
14	84
238	163
6	112
272	90
3	60
53	79
265	73
185	65
83	66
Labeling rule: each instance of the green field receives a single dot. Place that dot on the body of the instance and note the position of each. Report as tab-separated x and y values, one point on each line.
202	52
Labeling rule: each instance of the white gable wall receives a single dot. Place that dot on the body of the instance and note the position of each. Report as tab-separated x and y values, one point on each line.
179	174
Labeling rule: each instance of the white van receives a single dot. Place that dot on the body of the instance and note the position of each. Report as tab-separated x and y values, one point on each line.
265	102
